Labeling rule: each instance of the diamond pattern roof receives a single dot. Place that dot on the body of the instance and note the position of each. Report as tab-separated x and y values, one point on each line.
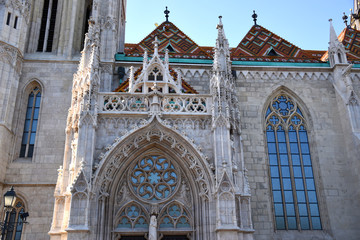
260	44
172	38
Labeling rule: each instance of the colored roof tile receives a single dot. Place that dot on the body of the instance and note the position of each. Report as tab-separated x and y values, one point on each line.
171	38
350	38
260	44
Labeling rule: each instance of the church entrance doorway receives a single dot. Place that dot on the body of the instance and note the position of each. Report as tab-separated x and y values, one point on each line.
175	237
133	238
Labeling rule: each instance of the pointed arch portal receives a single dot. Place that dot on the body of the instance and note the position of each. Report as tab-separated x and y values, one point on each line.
153	171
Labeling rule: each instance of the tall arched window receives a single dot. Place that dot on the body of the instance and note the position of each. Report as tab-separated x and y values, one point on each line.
292	180
31	121
15	222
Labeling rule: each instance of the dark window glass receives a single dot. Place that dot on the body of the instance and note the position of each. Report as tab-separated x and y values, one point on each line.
43	26
293	185
316	223
304	222
31	123
290	209
8	18
280	223
52	26
15	22
292	223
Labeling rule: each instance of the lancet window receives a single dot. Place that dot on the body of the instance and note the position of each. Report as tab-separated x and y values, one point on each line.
47	26
292	179
155	75
31	123
15	222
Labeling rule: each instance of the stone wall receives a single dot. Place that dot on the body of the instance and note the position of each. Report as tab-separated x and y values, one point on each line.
335	180
34	178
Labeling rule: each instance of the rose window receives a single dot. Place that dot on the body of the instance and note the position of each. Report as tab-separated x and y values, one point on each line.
154	178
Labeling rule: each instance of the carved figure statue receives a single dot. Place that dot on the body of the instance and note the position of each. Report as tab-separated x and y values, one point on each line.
153	228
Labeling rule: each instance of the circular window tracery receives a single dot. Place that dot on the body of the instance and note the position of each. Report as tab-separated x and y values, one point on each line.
154	178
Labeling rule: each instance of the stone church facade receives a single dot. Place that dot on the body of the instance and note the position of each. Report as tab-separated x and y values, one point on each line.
166	139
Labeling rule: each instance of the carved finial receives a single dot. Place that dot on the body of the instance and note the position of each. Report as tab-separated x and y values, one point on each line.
145	60
131	79
156	46
167	14
220	25
345	18
254	16
60	171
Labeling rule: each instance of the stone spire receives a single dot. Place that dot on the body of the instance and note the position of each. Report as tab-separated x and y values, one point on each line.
337	52
222	61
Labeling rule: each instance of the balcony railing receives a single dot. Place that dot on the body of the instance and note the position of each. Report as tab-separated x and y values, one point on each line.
141	103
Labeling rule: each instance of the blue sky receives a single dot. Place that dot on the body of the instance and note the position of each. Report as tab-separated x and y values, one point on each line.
301	22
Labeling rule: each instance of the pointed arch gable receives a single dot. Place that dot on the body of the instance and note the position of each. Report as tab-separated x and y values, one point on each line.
278	90
155	135
32	83
294	186
133	219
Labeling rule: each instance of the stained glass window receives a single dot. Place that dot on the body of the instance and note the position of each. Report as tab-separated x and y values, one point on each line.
31	123
175	216
132	216
154	178
292	178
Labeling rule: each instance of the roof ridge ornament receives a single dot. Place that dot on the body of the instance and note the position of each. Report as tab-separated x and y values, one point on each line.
167	14
156	46
345	18
220	25
254	16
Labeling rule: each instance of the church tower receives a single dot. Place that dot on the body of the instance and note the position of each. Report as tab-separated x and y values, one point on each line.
105	36
14	23
355	15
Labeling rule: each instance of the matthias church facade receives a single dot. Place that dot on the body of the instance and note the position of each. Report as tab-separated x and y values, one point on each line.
166	139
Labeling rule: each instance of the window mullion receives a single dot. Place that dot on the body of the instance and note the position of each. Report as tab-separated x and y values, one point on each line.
30	126
280	175
304	178
295	190
47	27
286	132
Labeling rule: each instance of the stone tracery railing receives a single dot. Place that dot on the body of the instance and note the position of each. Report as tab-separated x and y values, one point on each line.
141	103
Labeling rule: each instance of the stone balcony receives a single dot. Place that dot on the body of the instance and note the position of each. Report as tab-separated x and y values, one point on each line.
144	104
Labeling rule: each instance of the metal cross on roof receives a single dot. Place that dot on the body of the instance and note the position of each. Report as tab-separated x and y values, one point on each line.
167	14
254	16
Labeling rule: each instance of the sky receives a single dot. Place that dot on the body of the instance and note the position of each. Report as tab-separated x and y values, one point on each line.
301	22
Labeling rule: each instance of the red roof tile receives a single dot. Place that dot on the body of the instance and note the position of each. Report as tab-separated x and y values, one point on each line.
171	37
260	44
350	38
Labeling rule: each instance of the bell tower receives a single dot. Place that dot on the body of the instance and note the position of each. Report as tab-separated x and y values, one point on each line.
355	15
